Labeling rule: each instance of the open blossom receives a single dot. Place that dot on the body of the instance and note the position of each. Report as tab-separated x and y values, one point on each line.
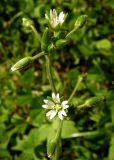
55	20
55	106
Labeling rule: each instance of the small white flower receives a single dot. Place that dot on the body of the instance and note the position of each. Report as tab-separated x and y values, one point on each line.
55	106
55	20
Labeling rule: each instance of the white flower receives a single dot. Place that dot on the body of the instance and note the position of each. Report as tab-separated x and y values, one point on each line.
55	20
55	106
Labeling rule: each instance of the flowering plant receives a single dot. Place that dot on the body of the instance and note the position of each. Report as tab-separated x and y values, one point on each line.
57	109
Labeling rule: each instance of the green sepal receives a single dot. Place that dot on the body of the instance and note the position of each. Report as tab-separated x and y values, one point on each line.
45	40
60	43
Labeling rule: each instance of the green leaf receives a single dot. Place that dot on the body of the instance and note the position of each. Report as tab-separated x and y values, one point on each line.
24	99
37	117
103	44
27	79
33	139
68	129
4	154
83	153
24	156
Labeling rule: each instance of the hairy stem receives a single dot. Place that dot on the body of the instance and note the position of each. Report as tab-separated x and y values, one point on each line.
39	55
14	17
75	88
71	32
58	147
49	73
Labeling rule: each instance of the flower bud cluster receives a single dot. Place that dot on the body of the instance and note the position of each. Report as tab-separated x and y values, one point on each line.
51	38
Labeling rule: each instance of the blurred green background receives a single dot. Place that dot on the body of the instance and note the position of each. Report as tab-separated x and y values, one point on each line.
23	127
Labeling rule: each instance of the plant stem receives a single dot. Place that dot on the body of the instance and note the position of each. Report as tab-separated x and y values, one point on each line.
36	33
49	73
14	17
71	32
60	128
56	154
58	135
39	55
75	88
85	134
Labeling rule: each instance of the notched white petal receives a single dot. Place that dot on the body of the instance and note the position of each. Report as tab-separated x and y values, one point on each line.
50	104
54	14
58	98
46	16
64	113
51	114
53	95
61	17
45	106
45	101
51	13
65	106
60	115
64	103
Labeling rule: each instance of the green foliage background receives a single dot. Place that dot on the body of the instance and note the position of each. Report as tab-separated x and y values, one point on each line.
87	135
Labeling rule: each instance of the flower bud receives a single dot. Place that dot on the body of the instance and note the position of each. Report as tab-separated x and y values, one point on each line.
91	102
60	43
51	47
94	101
26	22
45	40
23	63
80	22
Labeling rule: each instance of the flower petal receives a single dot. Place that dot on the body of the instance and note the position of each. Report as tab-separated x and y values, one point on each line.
64	113
64	103
54	14
53	95
61	17
50	104
65	106
45	100
51	13
46	16
45	106
58	98
51	114
60	115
